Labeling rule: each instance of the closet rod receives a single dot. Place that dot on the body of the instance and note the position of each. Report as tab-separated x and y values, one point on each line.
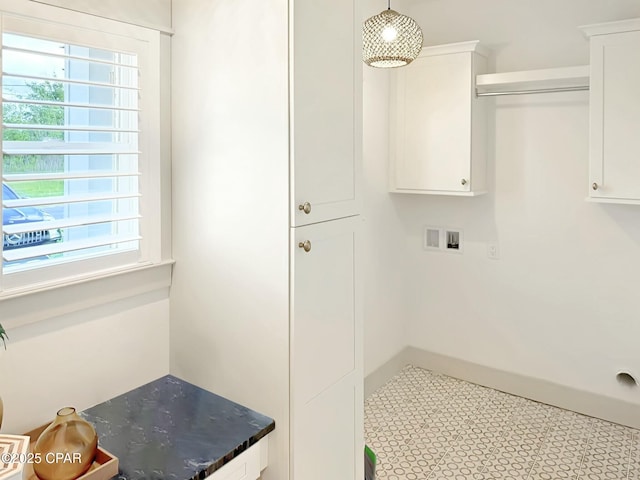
539	90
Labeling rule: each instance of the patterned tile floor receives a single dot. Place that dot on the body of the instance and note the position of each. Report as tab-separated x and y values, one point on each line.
424	425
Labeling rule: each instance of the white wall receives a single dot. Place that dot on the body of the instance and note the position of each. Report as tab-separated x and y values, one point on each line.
385	263
561	302
83	358
229	298
84	344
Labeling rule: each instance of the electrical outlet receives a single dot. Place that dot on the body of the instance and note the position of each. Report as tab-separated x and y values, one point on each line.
492	251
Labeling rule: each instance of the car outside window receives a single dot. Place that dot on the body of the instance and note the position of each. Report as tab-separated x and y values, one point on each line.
26	216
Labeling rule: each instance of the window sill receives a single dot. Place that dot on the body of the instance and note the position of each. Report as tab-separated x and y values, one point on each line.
29	306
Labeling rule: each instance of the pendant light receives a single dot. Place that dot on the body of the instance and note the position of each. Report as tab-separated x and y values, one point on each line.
390	39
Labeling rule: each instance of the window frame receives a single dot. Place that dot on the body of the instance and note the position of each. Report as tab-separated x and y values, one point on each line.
67	26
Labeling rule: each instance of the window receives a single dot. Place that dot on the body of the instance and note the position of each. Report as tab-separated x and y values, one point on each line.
80	166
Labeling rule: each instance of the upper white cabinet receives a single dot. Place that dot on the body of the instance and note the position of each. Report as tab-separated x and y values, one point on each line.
438	125
325	110
614	149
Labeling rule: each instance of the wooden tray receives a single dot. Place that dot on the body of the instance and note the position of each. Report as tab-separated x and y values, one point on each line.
104	466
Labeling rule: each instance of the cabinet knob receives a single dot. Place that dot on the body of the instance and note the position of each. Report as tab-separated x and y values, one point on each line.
594	185
463	181
305	207
306	245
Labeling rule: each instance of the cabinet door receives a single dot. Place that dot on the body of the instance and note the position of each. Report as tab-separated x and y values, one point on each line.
438	126
326	109
433	124
615	117
326	353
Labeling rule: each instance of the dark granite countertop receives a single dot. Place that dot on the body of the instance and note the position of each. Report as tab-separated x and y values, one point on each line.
171	429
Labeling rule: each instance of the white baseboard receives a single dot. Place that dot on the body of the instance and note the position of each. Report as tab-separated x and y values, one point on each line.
384	373
587	403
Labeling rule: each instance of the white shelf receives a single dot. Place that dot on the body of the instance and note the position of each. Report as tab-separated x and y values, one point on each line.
533	81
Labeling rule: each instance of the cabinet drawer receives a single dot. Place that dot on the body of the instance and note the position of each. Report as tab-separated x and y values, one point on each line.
244	467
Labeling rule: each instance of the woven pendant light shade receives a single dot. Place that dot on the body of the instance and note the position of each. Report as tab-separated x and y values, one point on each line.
390	39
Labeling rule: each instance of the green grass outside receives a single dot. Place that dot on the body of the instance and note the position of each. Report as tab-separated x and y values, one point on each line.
39	188
35	164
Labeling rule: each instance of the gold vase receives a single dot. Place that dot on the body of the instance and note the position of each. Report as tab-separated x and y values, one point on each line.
66	448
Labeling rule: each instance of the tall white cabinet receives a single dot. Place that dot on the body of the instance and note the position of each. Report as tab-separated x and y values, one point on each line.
266	164
326	329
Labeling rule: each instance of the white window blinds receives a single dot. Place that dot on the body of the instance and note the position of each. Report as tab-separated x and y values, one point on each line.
73	167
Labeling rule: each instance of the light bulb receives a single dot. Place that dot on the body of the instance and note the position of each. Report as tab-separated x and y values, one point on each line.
389	33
